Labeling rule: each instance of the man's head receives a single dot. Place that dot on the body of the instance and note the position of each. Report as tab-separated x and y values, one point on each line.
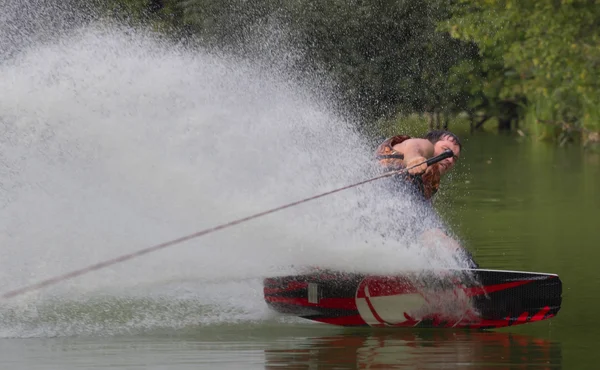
441	141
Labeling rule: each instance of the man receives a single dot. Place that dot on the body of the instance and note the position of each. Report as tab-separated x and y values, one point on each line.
399	152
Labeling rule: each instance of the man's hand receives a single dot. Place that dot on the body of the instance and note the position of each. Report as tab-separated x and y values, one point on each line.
420	164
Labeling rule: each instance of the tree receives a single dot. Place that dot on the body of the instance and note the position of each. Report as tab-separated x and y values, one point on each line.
543	54
383	57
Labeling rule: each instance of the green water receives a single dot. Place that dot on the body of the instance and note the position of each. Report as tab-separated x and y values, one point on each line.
516	205
534	207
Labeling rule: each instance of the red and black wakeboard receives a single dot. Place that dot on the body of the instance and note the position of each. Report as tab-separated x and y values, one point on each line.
476	299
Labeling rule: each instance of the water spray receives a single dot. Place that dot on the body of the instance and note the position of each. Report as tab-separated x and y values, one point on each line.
57	279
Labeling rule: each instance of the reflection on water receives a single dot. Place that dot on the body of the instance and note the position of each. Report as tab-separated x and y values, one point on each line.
424	349
273	346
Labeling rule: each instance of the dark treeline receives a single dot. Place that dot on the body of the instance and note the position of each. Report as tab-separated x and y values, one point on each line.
531	65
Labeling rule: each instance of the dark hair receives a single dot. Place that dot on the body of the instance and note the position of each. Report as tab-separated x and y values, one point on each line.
437	135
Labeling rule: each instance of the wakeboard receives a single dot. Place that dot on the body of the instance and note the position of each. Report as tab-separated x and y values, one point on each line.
474	299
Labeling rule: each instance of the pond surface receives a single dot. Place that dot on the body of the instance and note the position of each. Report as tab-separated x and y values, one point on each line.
516	205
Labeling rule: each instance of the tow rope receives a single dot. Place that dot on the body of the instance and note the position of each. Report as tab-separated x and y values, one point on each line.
113	261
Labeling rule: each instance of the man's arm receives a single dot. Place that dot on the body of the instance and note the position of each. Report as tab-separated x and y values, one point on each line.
415	151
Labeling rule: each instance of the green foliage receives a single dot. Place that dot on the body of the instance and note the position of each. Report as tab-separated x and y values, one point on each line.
533	60
545	51
384	56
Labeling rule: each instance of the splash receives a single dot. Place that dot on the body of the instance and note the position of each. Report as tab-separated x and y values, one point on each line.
112	140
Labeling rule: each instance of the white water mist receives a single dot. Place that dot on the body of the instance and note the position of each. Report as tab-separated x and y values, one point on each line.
112	141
